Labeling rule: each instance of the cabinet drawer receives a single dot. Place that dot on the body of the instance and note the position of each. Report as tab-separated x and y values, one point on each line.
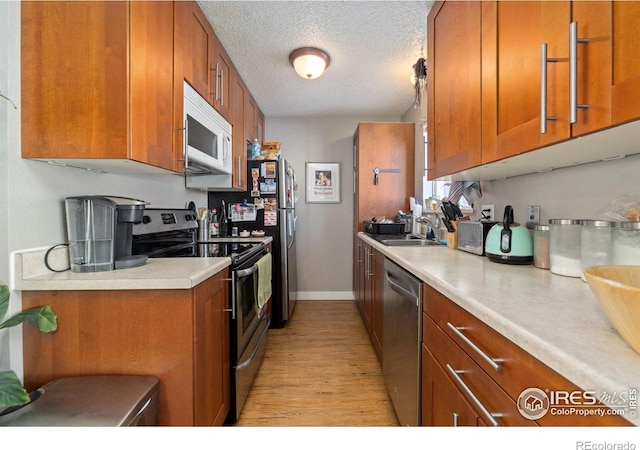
513	369
471	380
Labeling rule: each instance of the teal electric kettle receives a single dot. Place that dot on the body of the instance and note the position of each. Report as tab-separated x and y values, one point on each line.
509	242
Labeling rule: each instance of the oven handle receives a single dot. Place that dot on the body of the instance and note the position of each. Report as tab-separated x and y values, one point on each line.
257	347
246	272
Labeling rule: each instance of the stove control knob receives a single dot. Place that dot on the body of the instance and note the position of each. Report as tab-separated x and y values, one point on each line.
146	219
189	217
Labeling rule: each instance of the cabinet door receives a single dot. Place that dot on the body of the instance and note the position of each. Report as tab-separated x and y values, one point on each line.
260	131
250	110
453	90
151	66
626	62
74	79
239	92
198	40
442	403
593	69
211	352
386	146
513	34
222	79
377	319
367	291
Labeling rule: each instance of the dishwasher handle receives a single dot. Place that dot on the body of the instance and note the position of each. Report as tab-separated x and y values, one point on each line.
403	291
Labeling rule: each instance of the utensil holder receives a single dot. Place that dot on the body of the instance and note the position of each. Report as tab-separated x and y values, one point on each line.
203	230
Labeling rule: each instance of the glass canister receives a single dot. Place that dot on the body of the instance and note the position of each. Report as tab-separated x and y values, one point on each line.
564	247
625	243
595	244
541	247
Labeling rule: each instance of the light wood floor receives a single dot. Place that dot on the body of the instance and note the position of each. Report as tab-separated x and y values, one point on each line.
320	370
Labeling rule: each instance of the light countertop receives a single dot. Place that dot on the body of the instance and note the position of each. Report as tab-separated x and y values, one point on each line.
30	273
556	319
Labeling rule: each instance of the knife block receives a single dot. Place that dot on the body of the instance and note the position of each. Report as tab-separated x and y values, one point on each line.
452	238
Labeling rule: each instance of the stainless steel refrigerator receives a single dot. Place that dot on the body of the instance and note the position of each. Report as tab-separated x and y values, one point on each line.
275	185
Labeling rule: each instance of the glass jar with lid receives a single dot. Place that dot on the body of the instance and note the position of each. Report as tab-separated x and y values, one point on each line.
564	247
541	247
625	243
595	244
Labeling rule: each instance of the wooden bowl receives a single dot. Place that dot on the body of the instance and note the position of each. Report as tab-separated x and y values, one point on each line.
617	288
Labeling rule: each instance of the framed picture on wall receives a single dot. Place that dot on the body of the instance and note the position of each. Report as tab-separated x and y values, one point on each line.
323	182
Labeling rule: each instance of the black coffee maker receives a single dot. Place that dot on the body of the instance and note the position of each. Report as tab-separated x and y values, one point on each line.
100	232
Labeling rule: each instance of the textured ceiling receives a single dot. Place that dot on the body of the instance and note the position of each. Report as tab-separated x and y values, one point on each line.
372	44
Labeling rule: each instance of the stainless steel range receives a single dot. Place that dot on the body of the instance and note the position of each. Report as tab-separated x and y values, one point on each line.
172	233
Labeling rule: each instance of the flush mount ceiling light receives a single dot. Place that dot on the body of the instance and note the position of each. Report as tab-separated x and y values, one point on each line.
309	62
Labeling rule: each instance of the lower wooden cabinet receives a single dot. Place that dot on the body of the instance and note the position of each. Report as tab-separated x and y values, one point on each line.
368	290
472	375
442	403
179	336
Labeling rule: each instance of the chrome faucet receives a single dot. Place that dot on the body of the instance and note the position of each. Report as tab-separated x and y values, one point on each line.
434	224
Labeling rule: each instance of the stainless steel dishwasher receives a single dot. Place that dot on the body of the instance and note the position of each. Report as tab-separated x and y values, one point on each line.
402	338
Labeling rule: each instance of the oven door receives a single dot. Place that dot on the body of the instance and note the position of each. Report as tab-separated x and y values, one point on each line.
246	314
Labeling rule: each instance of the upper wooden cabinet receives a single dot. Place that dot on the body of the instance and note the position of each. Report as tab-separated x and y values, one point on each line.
97	84
207	67
453	88
389	146
238	93
513	35
626	61
522	55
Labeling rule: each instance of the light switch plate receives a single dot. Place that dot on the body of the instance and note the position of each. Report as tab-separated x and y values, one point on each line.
533	216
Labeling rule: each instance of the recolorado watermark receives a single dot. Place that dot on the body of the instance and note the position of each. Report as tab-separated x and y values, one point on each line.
589	445
535	403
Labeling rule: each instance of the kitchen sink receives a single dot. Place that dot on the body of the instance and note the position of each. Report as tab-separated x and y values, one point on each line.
409	242
405	241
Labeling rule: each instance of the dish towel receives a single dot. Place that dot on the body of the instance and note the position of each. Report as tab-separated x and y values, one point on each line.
263	293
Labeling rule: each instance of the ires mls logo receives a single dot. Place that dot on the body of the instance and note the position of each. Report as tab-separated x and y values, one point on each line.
534	403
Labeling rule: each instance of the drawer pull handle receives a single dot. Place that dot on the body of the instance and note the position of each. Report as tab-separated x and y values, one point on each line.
489	416
493	362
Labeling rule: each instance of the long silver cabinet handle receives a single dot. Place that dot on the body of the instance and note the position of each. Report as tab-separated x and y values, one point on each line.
489	416
574	40
493	362
543	89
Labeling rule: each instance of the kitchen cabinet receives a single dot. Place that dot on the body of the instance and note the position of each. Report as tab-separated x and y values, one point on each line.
442	403
254	120
369	287
390	148
453	90
97	85
207	67
513	33
485	369
625	101
501	62
180	336
239	146
377	305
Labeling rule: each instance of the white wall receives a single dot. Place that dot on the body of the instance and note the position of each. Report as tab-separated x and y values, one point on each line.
33	192
581	192
325	241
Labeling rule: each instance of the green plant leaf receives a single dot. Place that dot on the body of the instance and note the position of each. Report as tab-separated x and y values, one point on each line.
41	317
11	391
4	300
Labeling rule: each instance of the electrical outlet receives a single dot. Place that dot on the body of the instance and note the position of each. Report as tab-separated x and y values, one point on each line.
533	216
487	212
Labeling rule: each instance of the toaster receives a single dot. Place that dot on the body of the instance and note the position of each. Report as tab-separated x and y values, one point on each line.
472	235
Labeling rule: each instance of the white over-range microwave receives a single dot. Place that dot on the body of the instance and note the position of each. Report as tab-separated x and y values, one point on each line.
207	142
